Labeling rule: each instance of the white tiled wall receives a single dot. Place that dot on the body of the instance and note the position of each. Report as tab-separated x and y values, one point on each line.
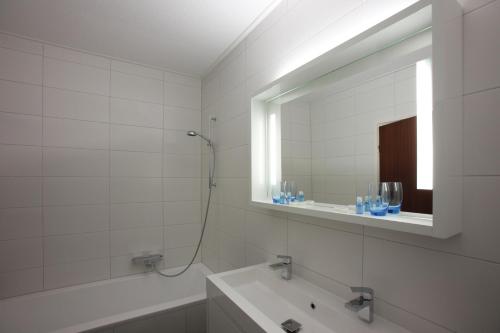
425	284
296	144
95	166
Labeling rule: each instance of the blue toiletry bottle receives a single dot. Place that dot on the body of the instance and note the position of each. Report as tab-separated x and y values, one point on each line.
300	196
368	201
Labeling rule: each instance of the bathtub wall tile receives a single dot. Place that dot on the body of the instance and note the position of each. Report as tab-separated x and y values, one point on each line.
71	162
20	98
136	215
21	192
20	160
86	146
184	212
76	247
75	134
180	256
128	189
17	223
76	57
135	87
73	273
134	138
136	241
182	235
135	164
19	129
63	220
21	282
59	191
137	113
20	66
184	119
63	103
77	77
19	254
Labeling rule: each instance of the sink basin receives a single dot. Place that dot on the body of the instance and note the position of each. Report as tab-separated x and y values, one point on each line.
268	301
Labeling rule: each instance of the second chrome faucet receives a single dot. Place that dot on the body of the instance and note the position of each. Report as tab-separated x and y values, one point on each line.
286	266
363	305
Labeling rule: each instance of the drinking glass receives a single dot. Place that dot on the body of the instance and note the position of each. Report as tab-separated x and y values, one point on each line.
283	192
385	193
395	197
291	192
380	205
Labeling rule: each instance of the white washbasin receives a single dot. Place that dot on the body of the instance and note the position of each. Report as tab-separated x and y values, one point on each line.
269	300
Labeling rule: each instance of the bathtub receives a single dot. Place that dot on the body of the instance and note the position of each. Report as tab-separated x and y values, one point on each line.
111	304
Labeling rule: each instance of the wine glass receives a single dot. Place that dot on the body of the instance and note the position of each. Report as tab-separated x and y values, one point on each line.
291	192
380	205
396	197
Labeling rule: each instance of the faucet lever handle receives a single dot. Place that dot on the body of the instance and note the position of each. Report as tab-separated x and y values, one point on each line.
286	259
363	290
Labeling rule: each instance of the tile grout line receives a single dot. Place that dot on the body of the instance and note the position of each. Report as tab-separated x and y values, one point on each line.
42	204
163	215
363	256
109	173
202	246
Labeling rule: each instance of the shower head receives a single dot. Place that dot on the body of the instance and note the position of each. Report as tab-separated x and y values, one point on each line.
194	133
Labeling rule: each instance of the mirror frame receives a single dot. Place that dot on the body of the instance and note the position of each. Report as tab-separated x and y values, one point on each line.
447	60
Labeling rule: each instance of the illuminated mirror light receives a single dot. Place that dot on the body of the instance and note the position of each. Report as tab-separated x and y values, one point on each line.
272	149
424	125
260	148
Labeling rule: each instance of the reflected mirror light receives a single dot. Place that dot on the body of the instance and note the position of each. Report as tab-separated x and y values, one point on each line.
424	125
273	148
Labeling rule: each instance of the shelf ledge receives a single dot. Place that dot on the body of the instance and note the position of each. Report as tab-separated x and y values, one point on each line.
415	223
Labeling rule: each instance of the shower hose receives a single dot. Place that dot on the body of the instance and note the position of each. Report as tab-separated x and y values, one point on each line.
210	185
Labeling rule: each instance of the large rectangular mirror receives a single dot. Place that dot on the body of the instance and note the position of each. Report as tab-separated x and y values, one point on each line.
337	141
362	114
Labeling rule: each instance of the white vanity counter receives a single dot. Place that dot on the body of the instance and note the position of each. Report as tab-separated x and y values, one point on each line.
257	299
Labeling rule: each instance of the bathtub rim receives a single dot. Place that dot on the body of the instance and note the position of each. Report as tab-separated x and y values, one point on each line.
121	317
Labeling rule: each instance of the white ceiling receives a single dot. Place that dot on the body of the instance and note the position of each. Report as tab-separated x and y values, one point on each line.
182	35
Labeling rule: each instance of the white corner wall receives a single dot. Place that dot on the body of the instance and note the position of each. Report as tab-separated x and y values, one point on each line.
425	284
95	166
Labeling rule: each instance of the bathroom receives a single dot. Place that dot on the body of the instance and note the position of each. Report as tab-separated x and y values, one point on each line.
147	138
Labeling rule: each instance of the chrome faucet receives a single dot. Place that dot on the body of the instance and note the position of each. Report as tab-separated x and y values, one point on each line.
285	264
359	304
